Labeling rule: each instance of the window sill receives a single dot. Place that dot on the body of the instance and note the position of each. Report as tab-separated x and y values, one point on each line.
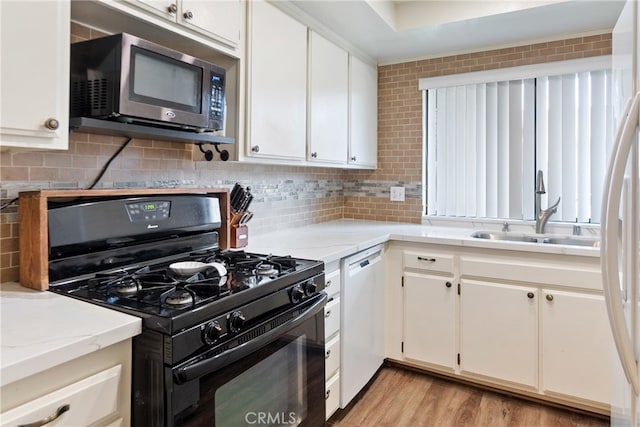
520	226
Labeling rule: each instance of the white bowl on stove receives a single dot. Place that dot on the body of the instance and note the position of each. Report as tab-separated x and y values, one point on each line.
192	267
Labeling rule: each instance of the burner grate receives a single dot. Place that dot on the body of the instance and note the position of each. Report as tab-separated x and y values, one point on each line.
159	288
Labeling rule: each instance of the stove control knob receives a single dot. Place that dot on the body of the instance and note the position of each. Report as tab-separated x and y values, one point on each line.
211	332
236	321
310	288
297	294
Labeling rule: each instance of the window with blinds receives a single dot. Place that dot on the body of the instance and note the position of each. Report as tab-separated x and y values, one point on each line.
485	140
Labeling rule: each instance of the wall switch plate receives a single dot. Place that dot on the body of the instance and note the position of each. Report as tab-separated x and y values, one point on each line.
397	194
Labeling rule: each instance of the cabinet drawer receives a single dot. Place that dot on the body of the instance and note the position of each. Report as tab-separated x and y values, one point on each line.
332	283
332	395
428	261
331	318
549	272
332	357
89	400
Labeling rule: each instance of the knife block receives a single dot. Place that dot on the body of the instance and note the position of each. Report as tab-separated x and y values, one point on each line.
239	236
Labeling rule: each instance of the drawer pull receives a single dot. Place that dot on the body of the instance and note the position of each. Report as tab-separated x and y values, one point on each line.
530	295
326	356
327	394
61	410
327	284
448	284
421	258
549	297
327	314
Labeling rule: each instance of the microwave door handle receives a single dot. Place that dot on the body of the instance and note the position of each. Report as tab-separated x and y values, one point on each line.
198	369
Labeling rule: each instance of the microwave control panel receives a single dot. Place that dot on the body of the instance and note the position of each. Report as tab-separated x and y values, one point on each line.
216	112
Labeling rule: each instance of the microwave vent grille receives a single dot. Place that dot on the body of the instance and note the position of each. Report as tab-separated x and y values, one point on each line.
89	97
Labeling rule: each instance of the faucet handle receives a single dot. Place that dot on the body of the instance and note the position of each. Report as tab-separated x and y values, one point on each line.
554	207
540	184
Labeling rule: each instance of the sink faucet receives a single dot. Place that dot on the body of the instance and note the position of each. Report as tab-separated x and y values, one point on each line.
543	215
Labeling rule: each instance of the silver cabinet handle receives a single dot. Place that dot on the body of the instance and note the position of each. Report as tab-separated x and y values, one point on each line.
327	354
327	284
172	9
327	314
314	155
255	148
61	410
326	395
51	124
353	158
188	15
421	258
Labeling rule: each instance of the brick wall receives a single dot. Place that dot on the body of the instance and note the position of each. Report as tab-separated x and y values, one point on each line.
400	159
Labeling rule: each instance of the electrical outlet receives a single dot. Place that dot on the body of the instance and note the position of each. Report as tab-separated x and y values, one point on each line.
397	194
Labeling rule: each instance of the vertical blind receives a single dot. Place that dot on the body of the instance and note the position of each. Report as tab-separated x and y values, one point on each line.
485	142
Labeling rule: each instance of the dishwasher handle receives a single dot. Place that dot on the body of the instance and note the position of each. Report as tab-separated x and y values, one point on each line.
358	263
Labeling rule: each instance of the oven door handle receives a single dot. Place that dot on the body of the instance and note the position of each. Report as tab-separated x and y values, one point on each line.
198	369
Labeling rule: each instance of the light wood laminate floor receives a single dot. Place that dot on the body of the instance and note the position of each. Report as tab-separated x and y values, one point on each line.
399	397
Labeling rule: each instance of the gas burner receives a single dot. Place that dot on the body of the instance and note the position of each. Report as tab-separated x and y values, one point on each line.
125	288
179	297
266	269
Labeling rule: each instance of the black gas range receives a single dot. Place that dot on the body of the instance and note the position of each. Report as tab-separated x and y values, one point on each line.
214	321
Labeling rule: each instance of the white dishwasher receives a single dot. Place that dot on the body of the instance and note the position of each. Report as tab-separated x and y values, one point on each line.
361	333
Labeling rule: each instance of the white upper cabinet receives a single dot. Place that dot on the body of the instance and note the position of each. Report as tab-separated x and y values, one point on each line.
276	84
34	78
328	101
363	114
218	19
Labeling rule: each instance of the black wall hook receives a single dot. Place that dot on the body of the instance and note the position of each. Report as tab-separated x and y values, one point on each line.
208	154
224	154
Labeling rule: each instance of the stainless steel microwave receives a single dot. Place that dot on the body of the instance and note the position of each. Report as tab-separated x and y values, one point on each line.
125	78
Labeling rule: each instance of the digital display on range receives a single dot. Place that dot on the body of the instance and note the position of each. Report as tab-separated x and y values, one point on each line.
145	211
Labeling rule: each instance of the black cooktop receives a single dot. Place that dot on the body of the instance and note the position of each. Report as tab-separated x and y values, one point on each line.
168	301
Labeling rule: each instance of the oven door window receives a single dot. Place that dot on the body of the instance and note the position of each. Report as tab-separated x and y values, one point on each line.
272	392
280	384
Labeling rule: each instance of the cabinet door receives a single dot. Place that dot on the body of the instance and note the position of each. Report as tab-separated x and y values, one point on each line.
498	332
328	100
430	320
277	86
217	18
165	8
34	106
576	345
363	113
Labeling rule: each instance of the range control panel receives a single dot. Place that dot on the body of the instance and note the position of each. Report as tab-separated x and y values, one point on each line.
148	210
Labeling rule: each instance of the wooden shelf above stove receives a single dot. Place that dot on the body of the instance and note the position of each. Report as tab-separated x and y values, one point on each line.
34	241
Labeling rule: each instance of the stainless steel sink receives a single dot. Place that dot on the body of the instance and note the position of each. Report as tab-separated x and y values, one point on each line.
512	237
533	238
574	241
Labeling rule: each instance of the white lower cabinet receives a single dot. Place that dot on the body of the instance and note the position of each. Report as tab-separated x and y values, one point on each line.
82	403
576	345
430	319
499	332
529	323
332	285
92	390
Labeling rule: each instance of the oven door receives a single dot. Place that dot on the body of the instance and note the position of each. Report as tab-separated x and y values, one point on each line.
274	378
